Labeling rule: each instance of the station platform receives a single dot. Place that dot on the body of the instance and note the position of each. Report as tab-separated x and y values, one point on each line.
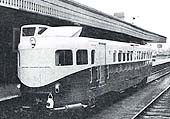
159	61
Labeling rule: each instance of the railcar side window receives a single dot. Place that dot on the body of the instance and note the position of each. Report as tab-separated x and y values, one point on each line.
147	55
29	31
63	57
144	55
139	54
114	56
81	57
119	56
131	55
128	55
150	54
92	56
124	56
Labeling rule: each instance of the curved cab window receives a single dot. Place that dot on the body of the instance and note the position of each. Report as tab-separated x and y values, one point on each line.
41	30
81	57
28	31
63	57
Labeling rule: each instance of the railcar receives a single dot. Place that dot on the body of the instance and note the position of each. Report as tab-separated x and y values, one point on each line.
61	70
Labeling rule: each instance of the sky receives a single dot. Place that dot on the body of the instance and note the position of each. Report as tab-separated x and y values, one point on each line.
152	15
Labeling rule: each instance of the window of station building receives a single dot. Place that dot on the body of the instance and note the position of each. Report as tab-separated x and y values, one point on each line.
81	57
119	56
63	57
92	56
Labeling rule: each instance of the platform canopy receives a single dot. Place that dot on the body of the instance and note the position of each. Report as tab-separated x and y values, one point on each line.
82	15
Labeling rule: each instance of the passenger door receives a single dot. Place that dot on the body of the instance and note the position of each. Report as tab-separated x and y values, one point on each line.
102	69
94	77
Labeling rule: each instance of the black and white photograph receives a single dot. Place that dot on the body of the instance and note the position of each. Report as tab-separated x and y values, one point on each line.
84	59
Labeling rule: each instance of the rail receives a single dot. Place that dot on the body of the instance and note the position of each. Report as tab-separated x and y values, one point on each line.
150	103
159	70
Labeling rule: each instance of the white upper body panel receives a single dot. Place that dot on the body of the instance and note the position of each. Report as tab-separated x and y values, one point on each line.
37	53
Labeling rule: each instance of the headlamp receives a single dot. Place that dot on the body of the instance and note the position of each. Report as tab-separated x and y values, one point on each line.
33	42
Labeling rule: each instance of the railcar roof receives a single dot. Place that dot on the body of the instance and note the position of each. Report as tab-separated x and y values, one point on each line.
59	31
85	40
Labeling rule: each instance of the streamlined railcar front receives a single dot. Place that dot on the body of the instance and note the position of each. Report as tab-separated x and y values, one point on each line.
45	67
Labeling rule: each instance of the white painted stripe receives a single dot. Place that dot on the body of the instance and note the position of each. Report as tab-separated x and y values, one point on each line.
9	97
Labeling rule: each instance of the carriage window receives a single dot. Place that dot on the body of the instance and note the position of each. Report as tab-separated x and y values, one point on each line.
82	57
92	56
131	55
124	56
147	55
137	55
41	30
141	55
63	57
128	55
144	55
150	55
29	31
114	57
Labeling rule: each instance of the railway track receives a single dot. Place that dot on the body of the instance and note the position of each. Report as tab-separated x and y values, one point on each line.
156	108
136	104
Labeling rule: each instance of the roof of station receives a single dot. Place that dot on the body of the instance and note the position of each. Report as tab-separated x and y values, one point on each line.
77	13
